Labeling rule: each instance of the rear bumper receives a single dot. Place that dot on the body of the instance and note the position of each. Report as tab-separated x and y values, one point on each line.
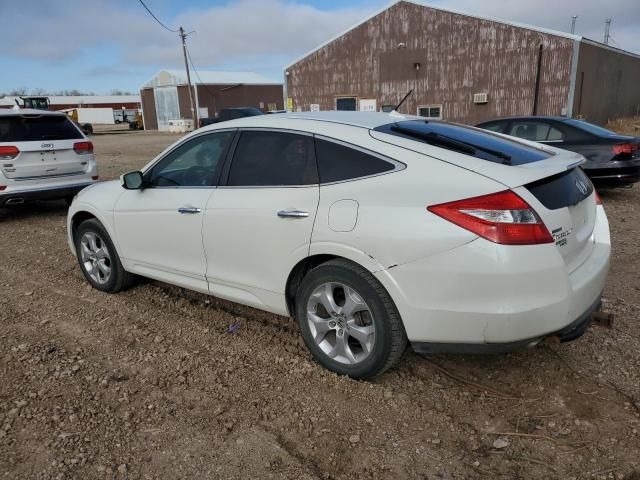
15	196
571	332
615	172
483	296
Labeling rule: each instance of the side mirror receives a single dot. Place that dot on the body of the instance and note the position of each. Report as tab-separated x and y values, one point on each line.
132	181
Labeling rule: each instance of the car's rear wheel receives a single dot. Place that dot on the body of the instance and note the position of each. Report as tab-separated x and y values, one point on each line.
98	258
348	320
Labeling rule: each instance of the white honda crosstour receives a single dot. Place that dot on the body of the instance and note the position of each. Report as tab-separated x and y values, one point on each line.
370	229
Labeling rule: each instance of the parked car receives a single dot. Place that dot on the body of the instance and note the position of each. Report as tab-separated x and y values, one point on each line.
43	155
230	114
368	228
611	158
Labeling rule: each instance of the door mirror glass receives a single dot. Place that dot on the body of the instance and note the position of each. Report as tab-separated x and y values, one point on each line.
132	181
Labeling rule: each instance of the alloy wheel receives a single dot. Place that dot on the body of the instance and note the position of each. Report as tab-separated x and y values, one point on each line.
341	323
95	257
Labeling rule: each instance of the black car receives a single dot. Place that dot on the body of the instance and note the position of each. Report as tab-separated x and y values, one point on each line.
611	158
230	114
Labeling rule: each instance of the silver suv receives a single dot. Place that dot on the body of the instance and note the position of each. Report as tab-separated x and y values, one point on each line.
43	155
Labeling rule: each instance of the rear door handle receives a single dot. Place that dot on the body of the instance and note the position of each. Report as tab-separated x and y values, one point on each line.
189	210
293	214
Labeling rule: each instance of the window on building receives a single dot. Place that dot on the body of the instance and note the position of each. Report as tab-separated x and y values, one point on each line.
431	111
535	131
264	158
338	162
346	103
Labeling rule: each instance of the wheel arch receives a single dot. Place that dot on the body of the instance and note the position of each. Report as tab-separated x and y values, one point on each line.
298	272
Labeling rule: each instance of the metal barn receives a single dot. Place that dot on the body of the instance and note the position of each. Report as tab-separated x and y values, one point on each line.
165	97
464	68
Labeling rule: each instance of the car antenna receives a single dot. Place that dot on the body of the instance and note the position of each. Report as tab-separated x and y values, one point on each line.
402	101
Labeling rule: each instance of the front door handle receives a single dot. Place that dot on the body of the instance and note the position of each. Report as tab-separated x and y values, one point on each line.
293	214
189	210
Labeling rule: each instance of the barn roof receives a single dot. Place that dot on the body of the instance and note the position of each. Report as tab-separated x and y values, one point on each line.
179	77
525	26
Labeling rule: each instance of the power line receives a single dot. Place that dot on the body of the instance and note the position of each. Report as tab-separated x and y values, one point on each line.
195	70
156	18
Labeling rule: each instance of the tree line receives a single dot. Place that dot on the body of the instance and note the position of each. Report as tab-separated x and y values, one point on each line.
41	92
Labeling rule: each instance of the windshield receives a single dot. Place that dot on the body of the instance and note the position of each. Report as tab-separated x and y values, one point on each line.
31	128
466	140
590	127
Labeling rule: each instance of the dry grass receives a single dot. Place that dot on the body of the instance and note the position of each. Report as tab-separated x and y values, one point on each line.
627	126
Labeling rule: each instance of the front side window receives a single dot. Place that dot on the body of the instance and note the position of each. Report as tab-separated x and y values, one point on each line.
338	162
430	111
195	163
534	131
264	158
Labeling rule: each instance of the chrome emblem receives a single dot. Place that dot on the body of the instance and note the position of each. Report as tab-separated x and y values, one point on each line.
582	187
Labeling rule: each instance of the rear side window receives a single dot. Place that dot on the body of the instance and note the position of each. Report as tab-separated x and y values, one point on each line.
536	132
265	158
494	127
466	140
338	162
33	128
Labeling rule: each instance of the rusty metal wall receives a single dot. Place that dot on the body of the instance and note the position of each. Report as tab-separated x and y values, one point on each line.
607	84
459	55
217	97
148	102
184	102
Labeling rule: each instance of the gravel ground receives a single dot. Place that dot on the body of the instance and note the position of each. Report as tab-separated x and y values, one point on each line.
149	384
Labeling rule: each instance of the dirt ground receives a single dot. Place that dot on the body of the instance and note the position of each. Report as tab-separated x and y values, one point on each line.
149	384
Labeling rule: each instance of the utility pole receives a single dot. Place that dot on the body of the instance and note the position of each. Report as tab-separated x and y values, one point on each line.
607	27
194	114
573	24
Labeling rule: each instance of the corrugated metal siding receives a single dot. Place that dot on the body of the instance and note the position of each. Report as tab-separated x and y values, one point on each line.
459	55
148	109
184	102
607	84
217	97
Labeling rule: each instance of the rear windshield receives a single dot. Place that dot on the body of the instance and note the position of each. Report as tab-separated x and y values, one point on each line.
469	141
589	127
32	128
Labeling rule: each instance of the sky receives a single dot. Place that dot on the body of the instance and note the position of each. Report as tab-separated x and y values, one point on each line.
104	45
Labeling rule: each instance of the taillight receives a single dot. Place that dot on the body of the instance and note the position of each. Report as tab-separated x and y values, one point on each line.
83	148
9	153
95	177
501	217
598	201
2	187
626	150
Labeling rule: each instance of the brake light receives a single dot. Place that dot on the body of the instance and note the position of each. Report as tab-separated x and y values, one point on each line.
501	217
2	187
95	177
8	152
83	148
598	201
625	149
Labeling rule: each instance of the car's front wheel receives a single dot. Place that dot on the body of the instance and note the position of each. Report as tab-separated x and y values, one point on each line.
348	320
98	258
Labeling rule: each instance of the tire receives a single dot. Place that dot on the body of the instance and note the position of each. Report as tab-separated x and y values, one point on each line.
98	258
360	344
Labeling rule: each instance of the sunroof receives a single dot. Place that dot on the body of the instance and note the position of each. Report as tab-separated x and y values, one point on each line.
468	141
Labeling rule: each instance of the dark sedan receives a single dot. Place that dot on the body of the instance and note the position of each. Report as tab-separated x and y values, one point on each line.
611	158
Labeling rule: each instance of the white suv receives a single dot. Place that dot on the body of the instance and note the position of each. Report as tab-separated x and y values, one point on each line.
43	155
